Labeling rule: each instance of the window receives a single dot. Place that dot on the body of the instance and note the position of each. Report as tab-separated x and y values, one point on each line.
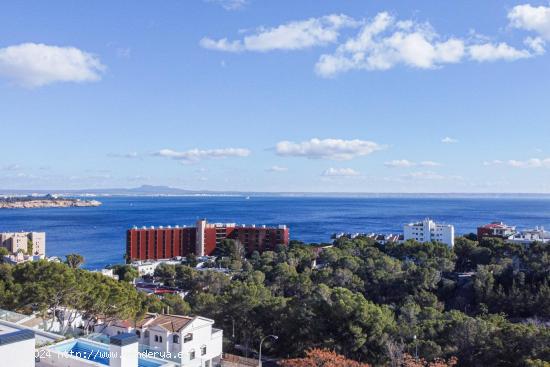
176	339
156	338
138	333
160	339
203	350
192	355
187	338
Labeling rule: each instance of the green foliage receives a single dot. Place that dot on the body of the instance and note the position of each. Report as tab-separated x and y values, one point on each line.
45	287
30	247
362	298
74	260
485	303
125	273
3	252
176	305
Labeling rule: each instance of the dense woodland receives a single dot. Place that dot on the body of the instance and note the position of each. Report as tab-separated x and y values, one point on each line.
478	304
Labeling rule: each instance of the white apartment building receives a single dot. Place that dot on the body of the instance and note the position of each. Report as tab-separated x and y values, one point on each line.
191	340
529	236
19	242
428	231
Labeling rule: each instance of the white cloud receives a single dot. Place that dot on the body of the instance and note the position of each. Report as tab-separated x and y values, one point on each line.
221	45
230	4
536	44
336	149
449	140
131	155
494	52
385	42
528	163
429	176
289	36
195	155
277	169
340	172
34	65
430	164
399	163
531	18
424	176
494	162
405	163
11	167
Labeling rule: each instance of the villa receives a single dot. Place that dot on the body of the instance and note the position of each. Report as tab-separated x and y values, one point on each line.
189	341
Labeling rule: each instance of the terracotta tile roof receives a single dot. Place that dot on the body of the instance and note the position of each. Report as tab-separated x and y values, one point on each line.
172	323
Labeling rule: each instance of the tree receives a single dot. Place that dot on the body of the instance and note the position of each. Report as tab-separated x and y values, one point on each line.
233	249
125	273
30	247
176	305
165	272
321	358
3	252
410	361
74	260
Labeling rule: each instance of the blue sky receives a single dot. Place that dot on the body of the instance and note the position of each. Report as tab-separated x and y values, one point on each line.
354	96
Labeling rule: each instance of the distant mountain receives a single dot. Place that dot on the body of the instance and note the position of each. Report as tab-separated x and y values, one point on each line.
144	190
158	190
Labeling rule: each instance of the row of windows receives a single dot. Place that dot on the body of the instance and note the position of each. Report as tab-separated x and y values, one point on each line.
192	352
158	338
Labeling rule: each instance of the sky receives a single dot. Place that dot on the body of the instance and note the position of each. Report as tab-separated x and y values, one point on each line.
258	95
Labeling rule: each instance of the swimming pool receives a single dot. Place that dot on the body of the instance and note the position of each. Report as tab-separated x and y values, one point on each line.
95	353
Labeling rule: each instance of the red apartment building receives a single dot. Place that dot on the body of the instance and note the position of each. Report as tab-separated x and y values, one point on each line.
495	230
167	242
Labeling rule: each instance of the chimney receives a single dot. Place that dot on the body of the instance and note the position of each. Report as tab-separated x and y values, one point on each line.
123	350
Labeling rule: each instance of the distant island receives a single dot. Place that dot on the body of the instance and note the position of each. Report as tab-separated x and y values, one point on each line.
47	201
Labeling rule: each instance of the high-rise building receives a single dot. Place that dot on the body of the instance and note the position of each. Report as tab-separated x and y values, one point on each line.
152	243
23	242
428	231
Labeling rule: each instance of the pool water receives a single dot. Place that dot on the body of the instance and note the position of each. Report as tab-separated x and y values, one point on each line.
94	353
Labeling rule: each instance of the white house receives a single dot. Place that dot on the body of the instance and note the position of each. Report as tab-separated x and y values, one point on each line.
428	231
19	342
107	272
17	348
191	341
148	267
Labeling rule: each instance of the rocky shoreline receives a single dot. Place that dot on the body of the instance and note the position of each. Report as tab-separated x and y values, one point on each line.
27	203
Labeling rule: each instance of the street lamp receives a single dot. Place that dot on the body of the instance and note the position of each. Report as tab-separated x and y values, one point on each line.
415	347
275	337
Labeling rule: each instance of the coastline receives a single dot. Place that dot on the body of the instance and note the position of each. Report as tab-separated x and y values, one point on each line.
47	203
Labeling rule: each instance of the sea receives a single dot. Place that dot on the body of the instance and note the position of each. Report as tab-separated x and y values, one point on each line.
99	233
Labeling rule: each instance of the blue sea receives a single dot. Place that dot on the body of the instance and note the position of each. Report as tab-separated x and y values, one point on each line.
98	233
